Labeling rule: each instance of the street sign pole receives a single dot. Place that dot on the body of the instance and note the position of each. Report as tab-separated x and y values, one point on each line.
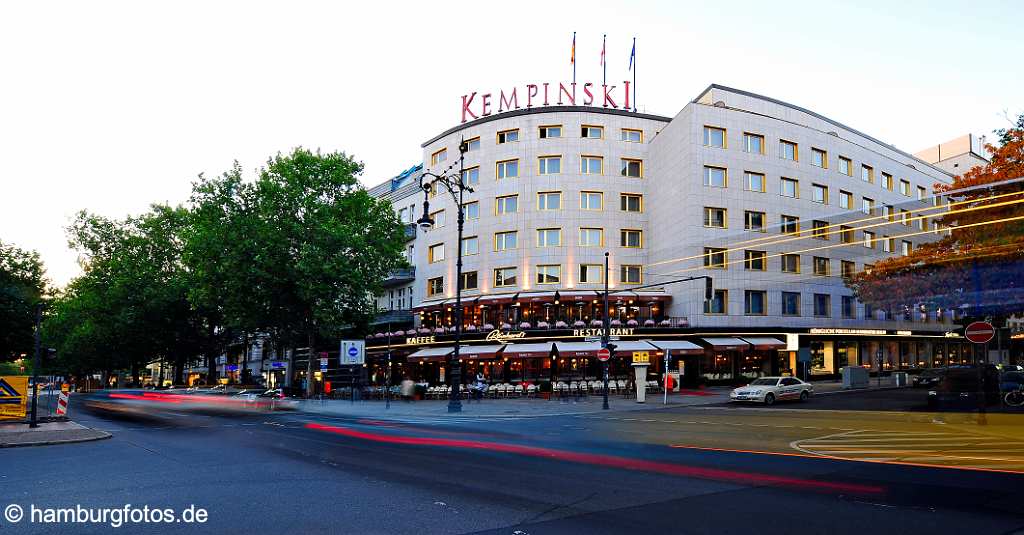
606	332
35	368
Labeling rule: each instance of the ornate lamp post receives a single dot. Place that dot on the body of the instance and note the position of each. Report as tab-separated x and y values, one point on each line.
456	187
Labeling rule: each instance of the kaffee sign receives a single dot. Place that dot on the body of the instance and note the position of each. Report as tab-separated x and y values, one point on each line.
476	105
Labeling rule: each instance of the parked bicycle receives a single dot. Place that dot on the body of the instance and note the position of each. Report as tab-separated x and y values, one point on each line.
1015	398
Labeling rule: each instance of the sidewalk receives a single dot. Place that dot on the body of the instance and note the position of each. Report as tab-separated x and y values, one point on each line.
836	387
14	434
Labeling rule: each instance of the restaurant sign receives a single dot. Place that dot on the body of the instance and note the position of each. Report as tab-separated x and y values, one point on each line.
600	332
875	332
500	337
476	105
417	340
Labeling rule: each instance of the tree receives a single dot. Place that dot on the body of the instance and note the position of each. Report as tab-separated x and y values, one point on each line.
977	266
22	286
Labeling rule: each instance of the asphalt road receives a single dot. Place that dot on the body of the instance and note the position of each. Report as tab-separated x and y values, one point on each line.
609	473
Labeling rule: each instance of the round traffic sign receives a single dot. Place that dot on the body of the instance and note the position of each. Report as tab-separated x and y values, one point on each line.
979	332
352	351
603	354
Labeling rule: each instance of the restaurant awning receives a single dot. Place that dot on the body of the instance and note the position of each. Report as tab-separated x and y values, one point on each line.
678	347
765	342
628	346
579	295
727	344
495	299
577	349
431	354
536	297
527	351
480	352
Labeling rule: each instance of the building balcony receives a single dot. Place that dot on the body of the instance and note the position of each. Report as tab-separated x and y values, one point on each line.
410	232
396	317
400	276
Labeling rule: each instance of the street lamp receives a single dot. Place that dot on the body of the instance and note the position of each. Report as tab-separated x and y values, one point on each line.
456	187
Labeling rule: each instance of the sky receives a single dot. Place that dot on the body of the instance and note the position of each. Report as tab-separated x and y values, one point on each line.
112	106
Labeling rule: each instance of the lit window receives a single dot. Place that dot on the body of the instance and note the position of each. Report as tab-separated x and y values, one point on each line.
753	221
791	263
755	260
549	237
549	274
867	174
819	158
473	144
905	188
591	237
715	258
629	274
591	165
435	286
822	305
471	176
714	137
550	165
714	217
591	273
869	239
790	225
470	246
471	210
719	303
508	136
547	132
507	169
632	135
504	241
591	200
753	143
469	281
632	168
845	166
754	302
549	200
439	157
822	266
788	150
631	238
508	204
715	176
754	181
790	303
631	202
790	187
819	193
504	276
845	200
592	132
819	229
435	253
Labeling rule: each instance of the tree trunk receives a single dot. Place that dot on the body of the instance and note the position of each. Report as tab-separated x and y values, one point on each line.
179	370
135	374
311	341
211	355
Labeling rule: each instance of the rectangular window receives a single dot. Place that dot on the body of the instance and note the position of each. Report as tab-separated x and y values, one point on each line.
549	274
549	200
438	157
715	258
631	238
890	212
470	246
753	221
788	150
819	158
508	204
435	286
753	182
439	218
549	165
819	229
591	237
905	188
846	234
869	311
632	168
905	217
591	165
790	187
632	135
790	303
714	217
504	276
790	225
888	244
887	181
591	273
867	205
845	166
549	237
592	132
819	193
715	176
845	200
550	131
507	169
753	143
504	241
631	202
719	303
823	305
473	144
591	200
849	307
869	239
905	248
822	266
630	274
469	281
867	174
755	260
508	136
714	137
471	176
791	263
435	253
922	194
847	268
755	302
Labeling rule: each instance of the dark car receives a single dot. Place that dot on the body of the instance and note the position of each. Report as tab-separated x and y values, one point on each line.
928	377
965	387
1011	380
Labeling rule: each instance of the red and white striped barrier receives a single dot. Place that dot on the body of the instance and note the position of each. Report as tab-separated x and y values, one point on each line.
62	404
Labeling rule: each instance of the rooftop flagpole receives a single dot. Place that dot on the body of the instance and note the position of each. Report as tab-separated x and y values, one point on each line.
572	57
632	66
604	42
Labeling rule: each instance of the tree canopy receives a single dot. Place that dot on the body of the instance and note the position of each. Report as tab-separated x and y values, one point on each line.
22	285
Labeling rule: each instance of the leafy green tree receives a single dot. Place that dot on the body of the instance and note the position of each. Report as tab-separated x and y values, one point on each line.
22	286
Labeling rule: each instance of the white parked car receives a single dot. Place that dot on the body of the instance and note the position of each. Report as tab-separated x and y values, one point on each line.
768	390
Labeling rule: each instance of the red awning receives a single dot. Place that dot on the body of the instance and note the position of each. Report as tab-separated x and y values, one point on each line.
577	349
527	351
479	352
431	354
765	342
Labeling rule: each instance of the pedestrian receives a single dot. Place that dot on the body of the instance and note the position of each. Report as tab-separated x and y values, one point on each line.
479	387
408	389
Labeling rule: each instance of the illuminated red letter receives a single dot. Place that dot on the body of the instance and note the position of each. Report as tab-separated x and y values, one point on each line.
507	104
545	93
608	97
562	91
531	91
627	93
465	106
590	96
485	101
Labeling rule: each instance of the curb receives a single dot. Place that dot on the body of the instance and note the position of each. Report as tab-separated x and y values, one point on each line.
102	436
859	390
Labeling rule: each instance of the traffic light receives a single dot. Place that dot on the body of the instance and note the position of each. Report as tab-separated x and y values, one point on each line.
611	348
709	290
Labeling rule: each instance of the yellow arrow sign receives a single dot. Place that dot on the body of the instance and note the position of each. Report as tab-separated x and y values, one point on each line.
13	396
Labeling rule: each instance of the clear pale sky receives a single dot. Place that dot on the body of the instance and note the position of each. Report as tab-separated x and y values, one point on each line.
110	106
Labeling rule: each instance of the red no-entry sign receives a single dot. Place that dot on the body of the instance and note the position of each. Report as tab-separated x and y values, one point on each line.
979	332
603	354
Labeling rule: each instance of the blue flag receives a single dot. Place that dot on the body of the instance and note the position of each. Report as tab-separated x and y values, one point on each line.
632	55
